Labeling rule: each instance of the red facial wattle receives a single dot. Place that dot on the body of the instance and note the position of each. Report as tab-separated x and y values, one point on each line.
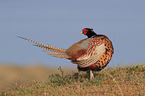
85	31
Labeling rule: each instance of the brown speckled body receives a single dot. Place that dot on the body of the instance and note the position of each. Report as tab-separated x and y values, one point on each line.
105	58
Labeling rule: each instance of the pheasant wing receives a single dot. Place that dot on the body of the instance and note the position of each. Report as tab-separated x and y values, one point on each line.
94	52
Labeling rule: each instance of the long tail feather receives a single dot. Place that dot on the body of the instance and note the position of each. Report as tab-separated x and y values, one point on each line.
56	52
44	46
50	49
60	55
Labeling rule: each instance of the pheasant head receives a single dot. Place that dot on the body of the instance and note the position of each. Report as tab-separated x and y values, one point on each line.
89	32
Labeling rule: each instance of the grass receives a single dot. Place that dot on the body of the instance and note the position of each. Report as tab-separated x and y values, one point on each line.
127	81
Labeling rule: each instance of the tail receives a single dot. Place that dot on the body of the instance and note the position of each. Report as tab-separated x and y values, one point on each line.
56	52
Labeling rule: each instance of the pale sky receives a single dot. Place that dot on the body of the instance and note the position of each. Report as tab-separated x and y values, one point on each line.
59	22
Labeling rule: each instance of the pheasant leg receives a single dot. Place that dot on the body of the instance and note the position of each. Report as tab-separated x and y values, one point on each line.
91	75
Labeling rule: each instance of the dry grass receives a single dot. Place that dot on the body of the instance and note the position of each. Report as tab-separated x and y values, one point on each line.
11	75
35	81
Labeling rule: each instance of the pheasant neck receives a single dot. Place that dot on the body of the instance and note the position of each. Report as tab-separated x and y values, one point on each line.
91	34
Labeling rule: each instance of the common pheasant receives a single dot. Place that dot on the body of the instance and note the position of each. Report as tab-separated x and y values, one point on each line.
92	53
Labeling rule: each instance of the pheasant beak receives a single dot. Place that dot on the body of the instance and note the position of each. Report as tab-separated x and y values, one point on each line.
81	32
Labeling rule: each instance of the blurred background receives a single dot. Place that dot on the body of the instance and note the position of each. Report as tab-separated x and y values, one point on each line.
58	23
